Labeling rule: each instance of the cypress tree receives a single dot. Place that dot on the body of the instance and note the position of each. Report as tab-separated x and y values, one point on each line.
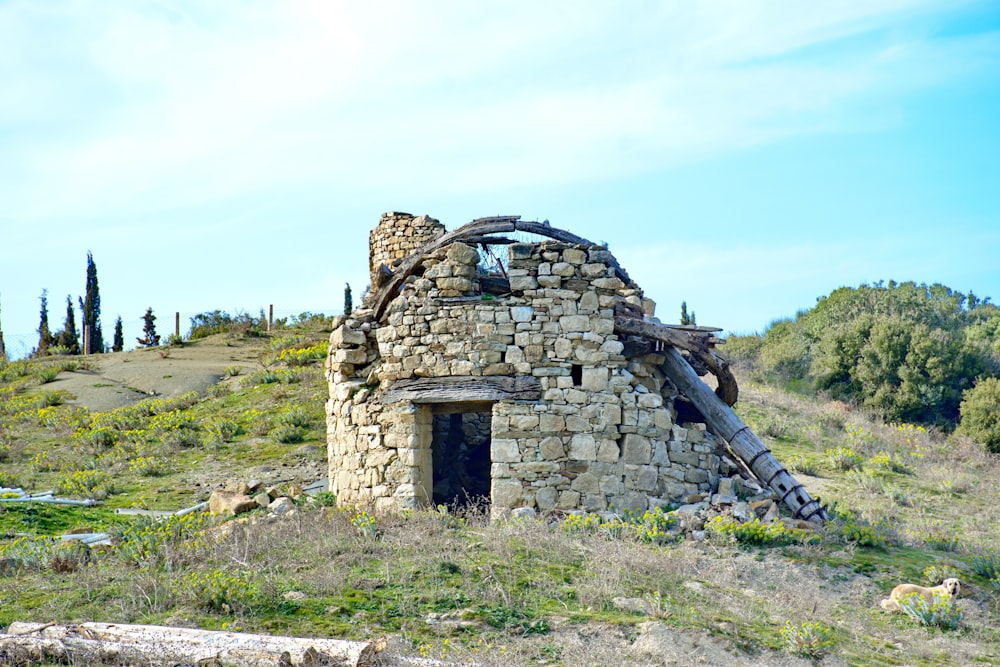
68	337
119	343
44	333
3	349
91	307
151	339
685	318
348	301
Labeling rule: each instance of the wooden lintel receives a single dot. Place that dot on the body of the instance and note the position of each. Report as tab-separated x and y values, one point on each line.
465	389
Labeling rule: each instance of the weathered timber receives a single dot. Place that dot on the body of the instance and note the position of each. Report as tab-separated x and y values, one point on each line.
494	285
743	442
696	342
454	389
389	288
105	643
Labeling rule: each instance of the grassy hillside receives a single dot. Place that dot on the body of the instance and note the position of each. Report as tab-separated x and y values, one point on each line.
911	506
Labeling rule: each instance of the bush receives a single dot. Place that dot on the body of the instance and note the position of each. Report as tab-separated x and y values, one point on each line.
980	417
844	458
757	533
940	611
810	640
219	321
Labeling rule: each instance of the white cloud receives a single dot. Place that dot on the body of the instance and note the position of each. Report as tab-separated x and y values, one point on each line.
200	102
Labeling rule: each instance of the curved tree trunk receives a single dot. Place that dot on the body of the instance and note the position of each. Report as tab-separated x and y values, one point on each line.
743	442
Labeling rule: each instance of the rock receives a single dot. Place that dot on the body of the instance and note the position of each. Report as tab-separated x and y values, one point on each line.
229	502
262	499
239	487
742	512
281	506
634	605
294	596
522	513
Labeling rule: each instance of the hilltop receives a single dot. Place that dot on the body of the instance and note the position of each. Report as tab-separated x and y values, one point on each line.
167	425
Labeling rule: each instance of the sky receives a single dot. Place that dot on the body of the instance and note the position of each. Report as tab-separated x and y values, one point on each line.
744	157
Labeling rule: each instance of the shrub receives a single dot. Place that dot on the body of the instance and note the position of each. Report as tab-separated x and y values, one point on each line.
853	529
844	458
289	434
810	640
226	591
799	464
46	375
757	533
146	538
980	417
303	356
96	484
147	466
889	462
987	564
940	611
295	417
223	429
219	321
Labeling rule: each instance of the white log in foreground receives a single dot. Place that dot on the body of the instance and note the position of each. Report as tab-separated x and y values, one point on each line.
151	645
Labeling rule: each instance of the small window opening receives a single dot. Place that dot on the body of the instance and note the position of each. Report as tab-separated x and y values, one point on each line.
576	372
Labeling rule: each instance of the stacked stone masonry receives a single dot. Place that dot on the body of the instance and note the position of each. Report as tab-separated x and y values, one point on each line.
601	433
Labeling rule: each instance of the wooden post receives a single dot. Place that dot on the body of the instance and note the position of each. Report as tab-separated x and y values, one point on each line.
86	338
270	317
177	324
743	442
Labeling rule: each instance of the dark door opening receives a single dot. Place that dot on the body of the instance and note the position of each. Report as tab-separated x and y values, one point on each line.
461	457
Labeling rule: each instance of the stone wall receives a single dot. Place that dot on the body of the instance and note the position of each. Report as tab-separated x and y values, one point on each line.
396	237
601	434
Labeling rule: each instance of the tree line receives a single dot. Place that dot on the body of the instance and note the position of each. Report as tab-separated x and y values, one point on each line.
917	353
88	338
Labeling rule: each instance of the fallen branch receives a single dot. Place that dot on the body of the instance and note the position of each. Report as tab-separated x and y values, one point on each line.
106	643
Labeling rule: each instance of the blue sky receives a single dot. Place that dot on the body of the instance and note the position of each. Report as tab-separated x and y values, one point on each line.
747	157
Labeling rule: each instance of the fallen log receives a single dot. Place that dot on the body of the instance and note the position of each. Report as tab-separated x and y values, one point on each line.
743	442
108	643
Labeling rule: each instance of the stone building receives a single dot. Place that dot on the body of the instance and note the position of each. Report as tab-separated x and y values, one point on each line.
508	379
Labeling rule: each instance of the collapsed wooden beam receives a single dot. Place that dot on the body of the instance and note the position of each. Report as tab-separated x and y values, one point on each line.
107	643
743	442
696	341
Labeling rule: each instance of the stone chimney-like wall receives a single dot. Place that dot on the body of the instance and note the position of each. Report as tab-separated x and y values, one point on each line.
396	237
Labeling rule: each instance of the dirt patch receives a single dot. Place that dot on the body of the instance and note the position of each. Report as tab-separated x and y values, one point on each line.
110	381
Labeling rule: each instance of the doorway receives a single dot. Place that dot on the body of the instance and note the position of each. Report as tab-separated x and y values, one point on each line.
460	445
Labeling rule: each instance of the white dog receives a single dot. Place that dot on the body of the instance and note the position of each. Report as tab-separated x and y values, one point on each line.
948	588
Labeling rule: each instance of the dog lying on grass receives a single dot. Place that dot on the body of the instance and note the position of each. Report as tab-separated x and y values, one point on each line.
947	588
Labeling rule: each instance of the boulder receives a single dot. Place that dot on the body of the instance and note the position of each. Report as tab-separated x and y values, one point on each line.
229	502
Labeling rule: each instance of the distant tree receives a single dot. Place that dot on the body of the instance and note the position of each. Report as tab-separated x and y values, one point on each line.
68	338
150	338
91	307
981	413
685	318
119	342
3	350
45	339
348	302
